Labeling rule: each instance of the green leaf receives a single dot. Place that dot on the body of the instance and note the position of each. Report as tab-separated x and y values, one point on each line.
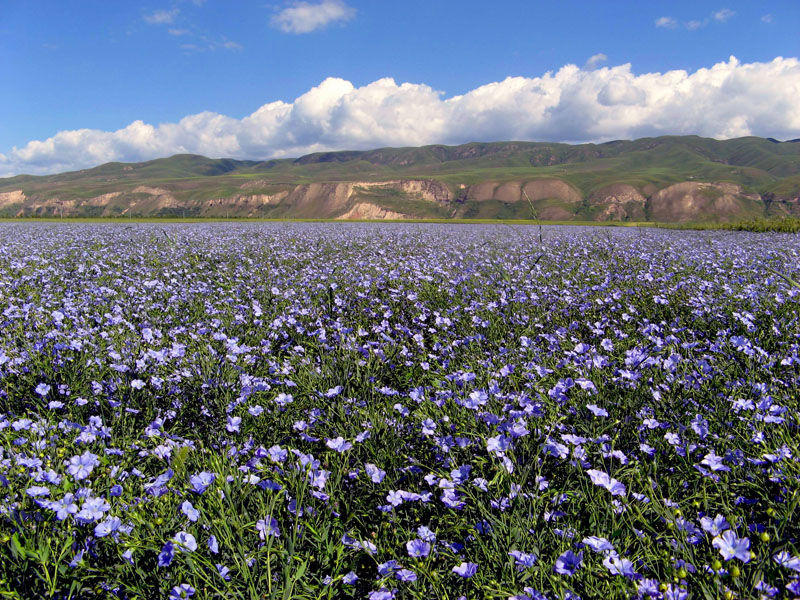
16	547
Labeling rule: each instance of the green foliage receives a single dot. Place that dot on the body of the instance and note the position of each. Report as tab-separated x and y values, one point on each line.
779	225
759	165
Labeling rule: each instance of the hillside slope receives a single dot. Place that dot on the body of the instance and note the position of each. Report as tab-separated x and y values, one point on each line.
669	178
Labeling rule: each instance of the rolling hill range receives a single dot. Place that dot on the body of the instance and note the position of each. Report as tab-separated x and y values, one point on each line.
666	179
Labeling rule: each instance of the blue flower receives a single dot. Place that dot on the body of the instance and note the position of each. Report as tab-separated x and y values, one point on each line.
190	511
201	481
523	560
499	443
619	566
107	526
388	567
185	541
598	544
183	590
339	444
64	507
223	571
426	534
568	563
786	560
92	509
406	575
374	473
466	569
268	526
350	578
604	480
233	424
36	491
80	467
166	555
597	411
730	546
714	526
648	588
418	548
277	454
714	462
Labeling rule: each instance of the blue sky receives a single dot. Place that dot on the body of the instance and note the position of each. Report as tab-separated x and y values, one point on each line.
104	65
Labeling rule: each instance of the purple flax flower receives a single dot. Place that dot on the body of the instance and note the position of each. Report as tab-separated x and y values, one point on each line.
466	570
554	448
766	589
418	548
426	534
604	480
190	511
350	578
619	566
406	575
80	467
339	444
787	561
648	588
201	481
568	563
181	591
166	555
92	509
107	526
388	567
223	571
374	473
498	443
598	544
277	454
597	411
185	541
523	560
64	507
676	592
714	462
714	526
730	546
268	526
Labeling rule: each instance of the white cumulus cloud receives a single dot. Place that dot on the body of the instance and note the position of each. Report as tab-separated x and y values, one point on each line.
305	17
572	104
595	60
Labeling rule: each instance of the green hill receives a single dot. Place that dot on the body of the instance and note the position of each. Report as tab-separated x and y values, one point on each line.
671	178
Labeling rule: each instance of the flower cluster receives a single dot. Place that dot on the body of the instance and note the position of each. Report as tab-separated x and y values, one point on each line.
398	411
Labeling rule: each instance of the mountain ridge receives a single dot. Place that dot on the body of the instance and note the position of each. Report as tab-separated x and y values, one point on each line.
667	178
